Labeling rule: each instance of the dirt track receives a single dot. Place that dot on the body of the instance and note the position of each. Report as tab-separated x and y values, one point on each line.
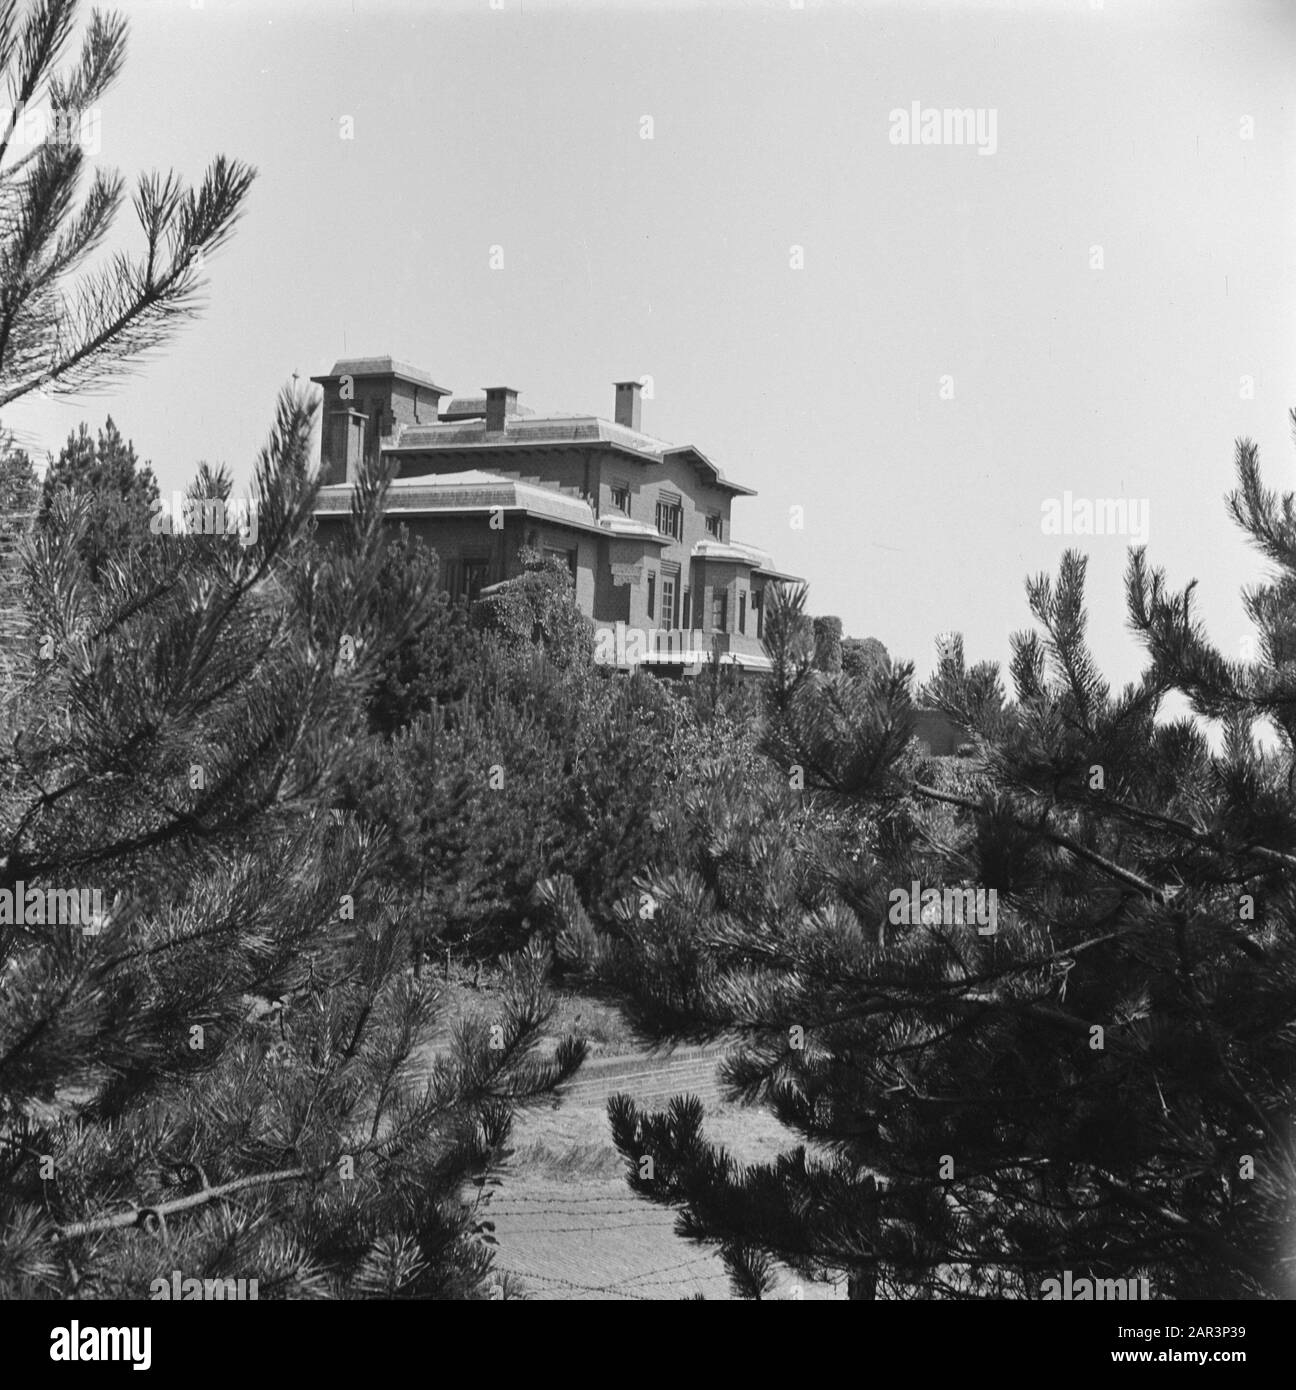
567	1224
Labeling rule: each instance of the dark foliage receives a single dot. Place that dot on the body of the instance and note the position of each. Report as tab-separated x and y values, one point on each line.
1099	1078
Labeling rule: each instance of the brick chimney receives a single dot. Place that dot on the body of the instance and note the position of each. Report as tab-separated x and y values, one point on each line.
627	403
365	400
501	402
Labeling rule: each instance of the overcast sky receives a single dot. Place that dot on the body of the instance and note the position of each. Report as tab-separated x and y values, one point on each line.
941	357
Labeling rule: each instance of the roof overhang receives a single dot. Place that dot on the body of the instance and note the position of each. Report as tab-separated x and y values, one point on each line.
482	496
717	477
716	552
446	513
494	442
377	367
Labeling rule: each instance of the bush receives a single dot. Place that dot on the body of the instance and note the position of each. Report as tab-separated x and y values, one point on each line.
217	1072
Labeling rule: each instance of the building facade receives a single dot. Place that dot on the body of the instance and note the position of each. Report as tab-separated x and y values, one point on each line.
644	526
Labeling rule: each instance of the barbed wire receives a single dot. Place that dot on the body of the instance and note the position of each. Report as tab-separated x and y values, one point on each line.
667	1269
542	1211
559	1209
567	1283
626	1286
585	1230
567	1197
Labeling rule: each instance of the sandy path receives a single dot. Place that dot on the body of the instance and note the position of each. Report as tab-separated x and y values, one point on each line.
581	1233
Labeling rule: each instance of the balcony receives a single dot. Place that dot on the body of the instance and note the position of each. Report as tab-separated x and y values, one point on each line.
628	647
683	642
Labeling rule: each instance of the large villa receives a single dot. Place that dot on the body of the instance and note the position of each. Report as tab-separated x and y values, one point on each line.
643	525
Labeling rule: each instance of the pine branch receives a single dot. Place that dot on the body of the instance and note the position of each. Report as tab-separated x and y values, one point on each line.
1056	837
1208	1239
144	1216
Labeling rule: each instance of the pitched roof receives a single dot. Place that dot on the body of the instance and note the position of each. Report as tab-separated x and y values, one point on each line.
523	428
523	431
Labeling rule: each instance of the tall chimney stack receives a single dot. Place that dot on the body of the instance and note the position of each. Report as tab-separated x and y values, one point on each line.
627	403
501	402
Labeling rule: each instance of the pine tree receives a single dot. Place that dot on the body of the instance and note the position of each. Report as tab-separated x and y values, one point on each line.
59	336
1099	1077
19	488
220	1066
531	761
433	668
124	494
19	491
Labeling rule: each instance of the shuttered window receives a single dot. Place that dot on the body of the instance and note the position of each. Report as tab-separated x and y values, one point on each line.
670	515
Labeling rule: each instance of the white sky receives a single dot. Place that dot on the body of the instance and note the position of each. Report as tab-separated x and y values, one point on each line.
1119	125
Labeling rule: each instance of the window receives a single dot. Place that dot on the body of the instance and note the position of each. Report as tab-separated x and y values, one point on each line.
566	557
475	576
652	593
758	607
670	515
742	611
719	605
670	587
621	497
687	619
715	525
